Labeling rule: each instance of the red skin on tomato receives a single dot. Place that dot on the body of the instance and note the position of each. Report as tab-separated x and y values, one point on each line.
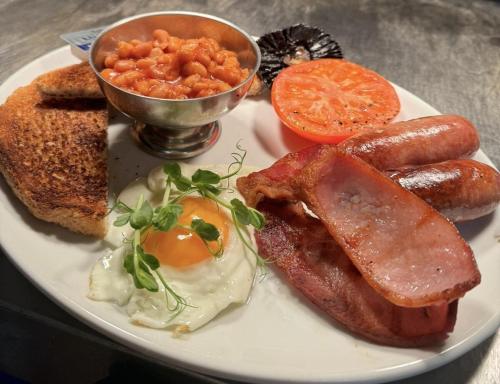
329	100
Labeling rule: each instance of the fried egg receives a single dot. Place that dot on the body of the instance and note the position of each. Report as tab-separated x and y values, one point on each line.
208	284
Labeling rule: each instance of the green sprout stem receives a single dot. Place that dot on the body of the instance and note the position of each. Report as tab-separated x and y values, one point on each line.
166	195
135	244
182	195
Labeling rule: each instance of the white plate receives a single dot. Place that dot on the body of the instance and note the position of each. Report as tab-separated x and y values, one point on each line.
277	336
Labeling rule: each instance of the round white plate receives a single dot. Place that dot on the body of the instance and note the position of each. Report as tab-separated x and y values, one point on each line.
277	336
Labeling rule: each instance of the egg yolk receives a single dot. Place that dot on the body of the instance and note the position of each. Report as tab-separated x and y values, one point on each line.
180	247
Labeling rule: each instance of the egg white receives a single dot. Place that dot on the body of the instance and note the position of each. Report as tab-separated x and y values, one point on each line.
208	287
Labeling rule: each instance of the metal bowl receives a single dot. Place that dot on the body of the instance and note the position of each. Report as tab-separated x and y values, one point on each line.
175	128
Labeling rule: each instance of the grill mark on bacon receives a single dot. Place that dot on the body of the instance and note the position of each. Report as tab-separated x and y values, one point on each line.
301	247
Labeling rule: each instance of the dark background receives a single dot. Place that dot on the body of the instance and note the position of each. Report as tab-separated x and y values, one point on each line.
446	52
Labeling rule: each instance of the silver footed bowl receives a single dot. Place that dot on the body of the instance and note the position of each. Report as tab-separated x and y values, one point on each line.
169	128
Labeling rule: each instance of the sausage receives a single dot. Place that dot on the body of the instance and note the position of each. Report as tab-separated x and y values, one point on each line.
414	142
460	189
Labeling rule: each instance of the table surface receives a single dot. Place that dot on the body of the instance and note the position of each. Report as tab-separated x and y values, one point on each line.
447	53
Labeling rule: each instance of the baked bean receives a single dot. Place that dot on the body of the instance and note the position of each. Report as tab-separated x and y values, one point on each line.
211	67
231	62
206	92
142	50
173	68
194	67
145	63
142	86
191	80
208	46
223	86
203	57
219	58
135	42
227	53
124	65
108	73
202	84
161	35
156	52
124	49
166	91
111	60
159	91
131	76
168	58
214	43
119	81
174	44
186	53
171	74
183	89
229	75
155	72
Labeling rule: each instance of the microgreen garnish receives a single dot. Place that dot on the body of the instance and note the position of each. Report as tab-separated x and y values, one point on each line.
143	267
208	232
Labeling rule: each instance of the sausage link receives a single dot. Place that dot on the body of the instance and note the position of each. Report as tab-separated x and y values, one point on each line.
460	189
426	140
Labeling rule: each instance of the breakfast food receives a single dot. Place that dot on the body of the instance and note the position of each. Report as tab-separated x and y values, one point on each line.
294	45
353	264
311	261
169	67
459	189
368	215
53	156
328	100
73	82
196	275
425	140
349	259
420	141
356	267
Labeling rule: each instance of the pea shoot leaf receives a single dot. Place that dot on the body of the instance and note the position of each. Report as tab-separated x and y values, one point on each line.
173	171
145	278
122	220
151	261
257	219
203	176
246	215
142	216
165	218
206	231
128	263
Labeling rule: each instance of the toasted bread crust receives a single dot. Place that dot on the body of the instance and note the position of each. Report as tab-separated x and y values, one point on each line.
75	81
54	158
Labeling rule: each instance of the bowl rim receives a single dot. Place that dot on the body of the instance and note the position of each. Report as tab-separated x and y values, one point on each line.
250	39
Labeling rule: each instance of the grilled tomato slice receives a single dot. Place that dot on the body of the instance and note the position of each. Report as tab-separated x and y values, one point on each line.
328	100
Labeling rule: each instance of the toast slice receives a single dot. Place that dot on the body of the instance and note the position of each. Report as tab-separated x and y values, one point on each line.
53	156
72	82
